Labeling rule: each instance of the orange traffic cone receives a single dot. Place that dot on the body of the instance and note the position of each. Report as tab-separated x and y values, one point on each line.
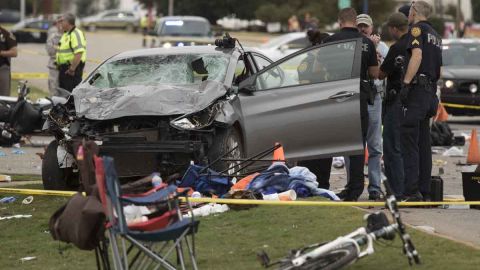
366	155
278	153
473	156
442	114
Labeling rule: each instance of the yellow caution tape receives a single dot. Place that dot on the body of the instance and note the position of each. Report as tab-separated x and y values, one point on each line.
38	192
461	106
29	75
252	202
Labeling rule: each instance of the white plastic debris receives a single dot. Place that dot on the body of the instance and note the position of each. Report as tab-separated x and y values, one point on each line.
15	216
28	200
453	152
25	259
208	209
425	228
5	178
338	162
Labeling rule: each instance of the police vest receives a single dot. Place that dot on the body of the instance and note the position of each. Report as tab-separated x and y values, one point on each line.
71	43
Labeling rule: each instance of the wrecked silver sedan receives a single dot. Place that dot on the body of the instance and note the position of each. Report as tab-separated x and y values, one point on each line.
159	109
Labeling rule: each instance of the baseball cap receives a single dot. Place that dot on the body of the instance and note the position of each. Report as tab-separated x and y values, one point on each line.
405	9
397	19
365	19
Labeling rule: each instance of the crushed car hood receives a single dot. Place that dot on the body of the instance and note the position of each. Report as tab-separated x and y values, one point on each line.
159	100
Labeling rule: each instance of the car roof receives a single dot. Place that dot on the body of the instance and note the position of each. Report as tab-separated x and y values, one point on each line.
173	50
460	41
207	49
190	18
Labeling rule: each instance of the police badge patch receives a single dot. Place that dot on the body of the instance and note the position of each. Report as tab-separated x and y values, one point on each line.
416	32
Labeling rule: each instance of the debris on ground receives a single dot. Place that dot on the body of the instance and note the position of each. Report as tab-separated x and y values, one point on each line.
9	199
25	259
338	162
5	178
208	209
425	228
454	152
28	200
15	216
18	152
439	162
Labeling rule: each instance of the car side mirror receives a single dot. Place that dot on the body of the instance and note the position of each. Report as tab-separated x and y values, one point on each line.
247	86
283	48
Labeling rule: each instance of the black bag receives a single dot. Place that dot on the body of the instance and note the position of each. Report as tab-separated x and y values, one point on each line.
441	134
436	189
80	222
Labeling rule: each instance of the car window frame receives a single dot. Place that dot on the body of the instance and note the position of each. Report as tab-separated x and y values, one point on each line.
355	73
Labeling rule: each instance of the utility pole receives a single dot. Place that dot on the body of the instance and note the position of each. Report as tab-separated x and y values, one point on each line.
22	10
170	7
365	6
457	19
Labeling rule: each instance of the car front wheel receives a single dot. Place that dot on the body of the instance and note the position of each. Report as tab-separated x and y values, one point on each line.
227	144
54	177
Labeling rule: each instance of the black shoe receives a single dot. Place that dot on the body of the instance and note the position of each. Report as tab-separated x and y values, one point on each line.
413	198
342	194
376	196
350	198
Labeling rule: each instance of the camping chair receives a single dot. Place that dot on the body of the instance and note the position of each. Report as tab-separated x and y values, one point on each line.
163	229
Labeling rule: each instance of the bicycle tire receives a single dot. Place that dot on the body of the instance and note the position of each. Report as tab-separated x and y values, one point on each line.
330	260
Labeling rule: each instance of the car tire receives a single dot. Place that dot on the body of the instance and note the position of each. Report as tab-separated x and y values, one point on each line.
53	177
92	27
223	142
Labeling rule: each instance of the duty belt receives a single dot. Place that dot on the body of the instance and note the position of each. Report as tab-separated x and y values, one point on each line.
422	79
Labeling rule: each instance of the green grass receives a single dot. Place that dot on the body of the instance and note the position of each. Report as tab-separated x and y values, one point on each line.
26	177
229	240
34	94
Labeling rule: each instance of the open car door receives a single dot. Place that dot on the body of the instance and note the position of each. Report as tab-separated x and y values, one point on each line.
308	101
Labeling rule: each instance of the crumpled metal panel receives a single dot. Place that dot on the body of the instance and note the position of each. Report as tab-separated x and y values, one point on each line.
160	100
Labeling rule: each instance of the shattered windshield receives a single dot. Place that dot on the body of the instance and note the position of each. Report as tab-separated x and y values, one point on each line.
151	70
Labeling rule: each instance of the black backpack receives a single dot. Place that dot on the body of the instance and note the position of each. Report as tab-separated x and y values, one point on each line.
441	134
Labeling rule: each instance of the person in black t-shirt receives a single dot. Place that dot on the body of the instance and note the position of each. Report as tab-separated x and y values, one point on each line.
8	49
418	96
347	18
392	156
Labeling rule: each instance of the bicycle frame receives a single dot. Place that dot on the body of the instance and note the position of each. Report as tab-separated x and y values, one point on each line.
357	238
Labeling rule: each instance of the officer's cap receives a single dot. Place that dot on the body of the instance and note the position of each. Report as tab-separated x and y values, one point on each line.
364	19
397	19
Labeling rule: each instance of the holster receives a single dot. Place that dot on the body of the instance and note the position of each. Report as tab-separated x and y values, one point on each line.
368	90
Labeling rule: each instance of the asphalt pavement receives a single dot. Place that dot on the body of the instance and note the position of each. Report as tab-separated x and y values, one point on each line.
459	224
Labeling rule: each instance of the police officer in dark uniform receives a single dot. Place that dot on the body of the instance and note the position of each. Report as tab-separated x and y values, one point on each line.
369	70
8	49
398	27
418	96
306	74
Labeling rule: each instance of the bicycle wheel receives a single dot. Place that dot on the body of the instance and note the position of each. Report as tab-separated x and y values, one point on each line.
330	260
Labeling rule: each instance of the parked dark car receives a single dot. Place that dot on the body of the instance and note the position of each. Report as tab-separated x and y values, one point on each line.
122	19
158	109
32	30
9	16
171	31
461	76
